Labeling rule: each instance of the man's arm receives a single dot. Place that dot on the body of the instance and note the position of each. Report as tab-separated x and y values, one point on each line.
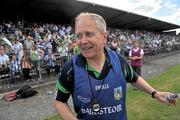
136	57
160	96
65	87
64	111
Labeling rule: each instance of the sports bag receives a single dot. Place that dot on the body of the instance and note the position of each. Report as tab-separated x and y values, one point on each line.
25	92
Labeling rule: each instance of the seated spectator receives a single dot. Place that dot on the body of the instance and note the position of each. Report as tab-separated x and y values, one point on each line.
4	61
50	61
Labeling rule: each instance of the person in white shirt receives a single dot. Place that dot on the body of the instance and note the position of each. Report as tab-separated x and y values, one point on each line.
4	59
18	49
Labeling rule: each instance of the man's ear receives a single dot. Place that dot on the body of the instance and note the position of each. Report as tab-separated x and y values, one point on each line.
105	37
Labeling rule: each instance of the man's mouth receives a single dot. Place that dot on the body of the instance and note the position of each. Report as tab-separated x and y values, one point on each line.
86	48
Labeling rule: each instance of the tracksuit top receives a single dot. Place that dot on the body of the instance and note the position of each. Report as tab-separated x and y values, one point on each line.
111	97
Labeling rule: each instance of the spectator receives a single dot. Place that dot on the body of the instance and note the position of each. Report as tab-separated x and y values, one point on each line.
4	59
18	50
26	67
29	42
50	61
15	67
63	50
36	55
136	56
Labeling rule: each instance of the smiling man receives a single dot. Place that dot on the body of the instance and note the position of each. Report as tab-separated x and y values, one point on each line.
97	77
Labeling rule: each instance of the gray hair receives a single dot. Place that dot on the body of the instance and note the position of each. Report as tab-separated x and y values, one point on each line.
99	20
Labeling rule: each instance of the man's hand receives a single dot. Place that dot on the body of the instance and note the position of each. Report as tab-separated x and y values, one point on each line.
166	97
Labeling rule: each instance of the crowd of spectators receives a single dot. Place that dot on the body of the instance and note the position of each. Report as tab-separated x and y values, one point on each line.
33	46
151	42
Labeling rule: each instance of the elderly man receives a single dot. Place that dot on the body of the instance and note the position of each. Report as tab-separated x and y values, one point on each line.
96	78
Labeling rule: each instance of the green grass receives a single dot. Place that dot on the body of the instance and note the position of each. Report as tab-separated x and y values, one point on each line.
56	117
141	106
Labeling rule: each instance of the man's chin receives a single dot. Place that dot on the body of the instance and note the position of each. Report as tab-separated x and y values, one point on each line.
87	56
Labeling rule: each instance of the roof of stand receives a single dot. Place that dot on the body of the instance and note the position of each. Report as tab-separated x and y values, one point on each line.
66	10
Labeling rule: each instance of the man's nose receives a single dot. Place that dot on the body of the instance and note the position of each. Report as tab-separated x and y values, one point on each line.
84	39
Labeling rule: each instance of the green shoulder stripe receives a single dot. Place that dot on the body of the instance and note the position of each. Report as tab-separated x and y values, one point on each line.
125	73
131	73
61	88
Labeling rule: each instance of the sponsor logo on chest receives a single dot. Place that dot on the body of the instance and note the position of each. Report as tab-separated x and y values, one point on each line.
98	87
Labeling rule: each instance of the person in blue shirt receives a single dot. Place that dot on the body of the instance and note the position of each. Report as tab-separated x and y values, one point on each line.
50	60
96	78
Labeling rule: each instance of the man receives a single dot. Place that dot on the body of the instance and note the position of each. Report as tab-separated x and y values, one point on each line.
4	59
18	49
97	77
50	61
63	50
29	42
136	56
15	67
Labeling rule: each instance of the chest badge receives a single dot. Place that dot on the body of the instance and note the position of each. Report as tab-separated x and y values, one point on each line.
118	93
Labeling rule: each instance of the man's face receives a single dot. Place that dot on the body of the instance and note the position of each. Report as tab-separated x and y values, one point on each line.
89	39
1	51
14	57
135	44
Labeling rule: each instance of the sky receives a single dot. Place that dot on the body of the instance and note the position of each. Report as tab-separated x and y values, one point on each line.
164	10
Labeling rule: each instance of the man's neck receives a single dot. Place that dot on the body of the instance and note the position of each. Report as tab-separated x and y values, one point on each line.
135	47
97	62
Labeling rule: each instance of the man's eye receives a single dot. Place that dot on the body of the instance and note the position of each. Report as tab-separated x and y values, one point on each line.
90	34
78	36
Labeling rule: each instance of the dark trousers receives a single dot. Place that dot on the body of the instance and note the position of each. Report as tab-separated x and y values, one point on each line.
137	69
63	60
48	68
36	67
26	72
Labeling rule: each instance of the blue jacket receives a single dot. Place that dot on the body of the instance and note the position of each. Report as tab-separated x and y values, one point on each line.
111	97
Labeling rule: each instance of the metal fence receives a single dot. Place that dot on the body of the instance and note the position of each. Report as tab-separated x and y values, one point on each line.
7	83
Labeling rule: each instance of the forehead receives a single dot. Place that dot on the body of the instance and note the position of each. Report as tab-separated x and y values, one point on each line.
1	48
85	23
135	42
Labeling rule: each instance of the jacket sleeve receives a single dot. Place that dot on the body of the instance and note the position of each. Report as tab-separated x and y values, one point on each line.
129	74
65	83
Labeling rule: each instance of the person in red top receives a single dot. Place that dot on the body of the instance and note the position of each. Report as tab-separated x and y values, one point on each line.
136	56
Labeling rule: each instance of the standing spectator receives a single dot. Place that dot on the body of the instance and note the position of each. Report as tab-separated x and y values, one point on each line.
136	56
54	45
36	55
26	67
114	46
76	50
18	50
63	50
15	67
29	42
50	61
4	59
